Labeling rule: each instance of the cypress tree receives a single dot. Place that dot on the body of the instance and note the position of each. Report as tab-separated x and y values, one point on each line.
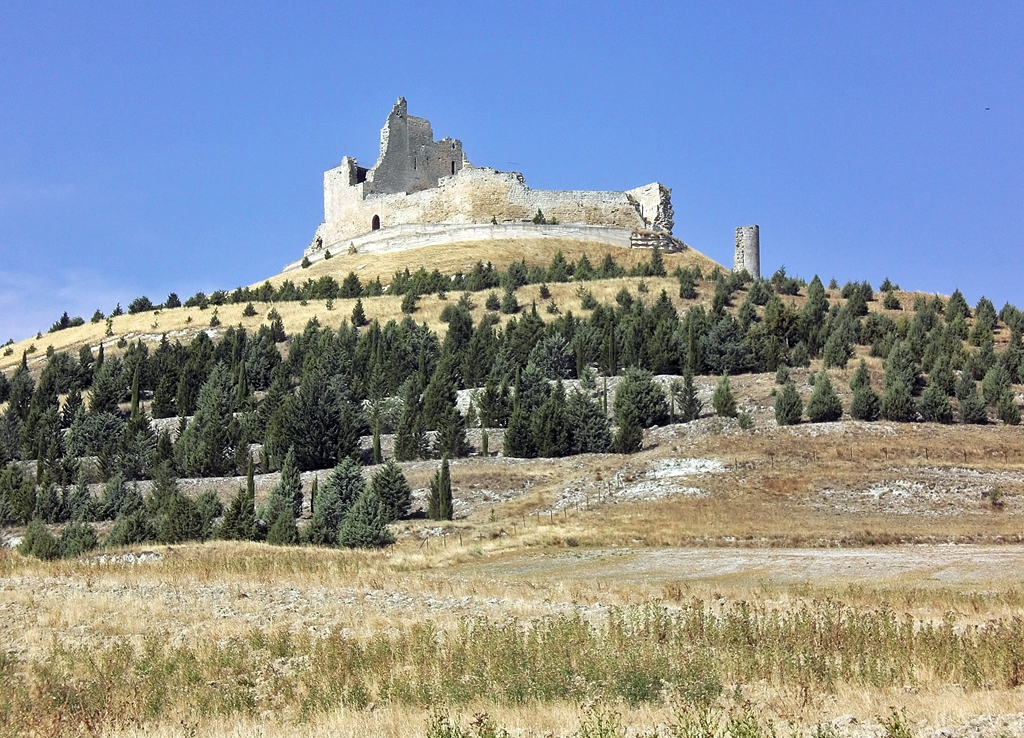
518	437
206	446
291	483
996	383
644	396
135	392
723	400
39	542
283	532
410	437
900	377
690	405
77	539
163	396
239	523
358	316
838	348
450	439
942	377
439	501
589	427
824	405
549	427
629	436
440	393
866	404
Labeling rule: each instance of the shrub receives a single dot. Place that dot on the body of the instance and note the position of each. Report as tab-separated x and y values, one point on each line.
140	305
39	542
78	538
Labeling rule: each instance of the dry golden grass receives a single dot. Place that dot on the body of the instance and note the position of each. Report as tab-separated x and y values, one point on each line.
184	323
460	257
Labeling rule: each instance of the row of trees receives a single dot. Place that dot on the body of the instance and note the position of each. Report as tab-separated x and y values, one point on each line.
313	395
421	282
346	510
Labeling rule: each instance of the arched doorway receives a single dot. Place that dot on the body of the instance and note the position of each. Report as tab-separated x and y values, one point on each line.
375	223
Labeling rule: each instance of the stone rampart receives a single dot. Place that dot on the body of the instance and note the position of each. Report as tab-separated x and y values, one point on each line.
404	237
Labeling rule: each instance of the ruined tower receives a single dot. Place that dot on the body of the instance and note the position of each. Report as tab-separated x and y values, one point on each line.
748	251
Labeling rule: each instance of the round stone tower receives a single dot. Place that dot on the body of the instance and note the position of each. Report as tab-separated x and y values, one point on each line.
748	251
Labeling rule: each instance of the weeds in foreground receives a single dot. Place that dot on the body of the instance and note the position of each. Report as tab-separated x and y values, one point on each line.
633	656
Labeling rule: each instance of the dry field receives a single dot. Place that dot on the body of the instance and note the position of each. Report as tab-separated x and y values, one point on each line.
801	574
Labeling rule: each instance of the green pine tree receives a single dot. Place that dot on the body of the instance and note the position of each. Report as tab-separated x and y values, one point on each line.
284	531
291	483
866	404
972	409
788	406
518	441
824	405
333	501
629	436
1007	410
206	447
390	486
935	406
365	525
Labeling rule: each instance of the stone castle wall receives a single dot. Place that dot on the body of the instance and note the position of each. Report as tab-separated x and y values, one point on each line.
748	251
480	196
417	180
416	235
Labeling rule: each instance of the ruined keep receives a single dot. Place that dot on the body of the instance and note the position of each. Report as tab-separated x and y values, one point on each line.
748	251
422	191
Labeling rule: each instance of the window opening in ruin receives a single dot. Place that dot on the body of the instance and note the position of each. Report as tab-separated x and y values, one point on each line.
414	162
453	167
375	223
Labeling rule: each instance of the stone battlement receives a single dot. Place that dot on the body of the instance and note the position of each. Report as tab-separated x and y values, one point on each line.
417	181
404	237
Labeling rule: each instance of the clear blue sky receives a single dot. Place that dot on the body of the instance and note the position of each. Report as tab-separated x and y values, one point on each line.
147	148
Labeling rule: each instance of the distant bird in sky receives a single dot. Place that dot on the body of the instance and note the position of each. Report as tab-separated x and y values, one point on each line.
988	108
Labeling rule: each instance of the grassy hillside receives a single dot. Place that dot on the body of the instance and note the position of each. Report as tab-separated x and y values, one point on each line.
183	323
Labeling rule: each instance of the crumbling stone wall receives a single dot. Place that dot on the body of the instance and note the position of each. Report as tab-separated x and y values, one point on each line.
419	180
748	251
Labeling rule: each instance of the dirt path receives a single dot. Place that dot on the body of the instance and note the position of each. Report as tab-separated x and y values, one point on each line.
925	565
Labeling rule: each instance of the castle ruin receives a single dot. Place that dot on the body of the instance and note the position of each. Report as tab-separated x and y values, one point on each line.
421	191
748	251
